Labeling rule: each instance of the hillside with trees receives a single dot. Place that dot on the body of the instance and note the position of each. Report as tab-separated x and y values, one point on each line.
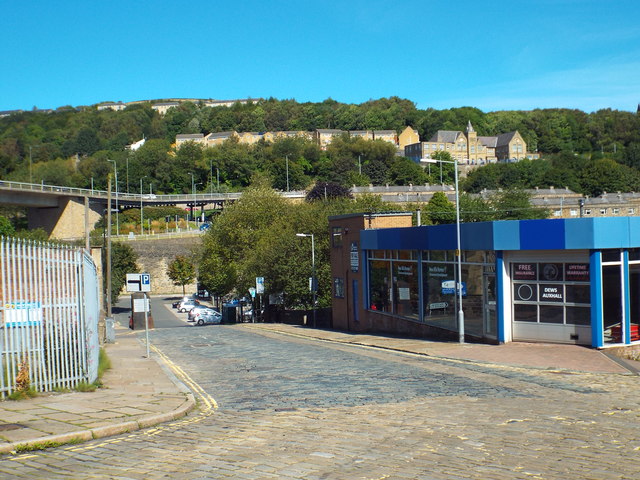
588	152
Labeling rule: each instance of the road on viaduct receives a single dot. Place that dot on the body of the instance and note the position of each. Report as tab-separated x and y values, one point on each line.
276	406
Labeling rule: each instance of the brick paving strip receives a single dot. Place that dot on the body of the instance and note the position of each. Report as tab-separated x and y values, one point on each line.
529	355
137	393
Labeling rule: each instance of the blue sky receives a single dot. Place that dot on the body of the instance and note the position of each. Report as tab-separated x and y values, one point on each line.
494	55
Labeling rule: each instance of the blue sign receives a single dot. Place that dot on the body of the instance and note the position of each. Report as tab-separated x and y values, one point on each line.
448	288
145	279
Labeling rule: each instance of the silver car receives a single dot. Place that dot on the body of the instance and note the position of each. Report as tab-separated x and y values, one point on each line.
197	310
187	305
208	318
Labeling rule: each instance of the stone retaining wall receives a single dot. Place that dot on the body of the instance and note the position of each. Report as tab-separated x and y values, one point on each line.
154	256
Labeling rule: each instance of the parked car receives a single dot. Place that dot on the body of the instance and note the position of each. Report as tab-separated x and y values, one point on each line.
187	305
197	310
208	318
177	302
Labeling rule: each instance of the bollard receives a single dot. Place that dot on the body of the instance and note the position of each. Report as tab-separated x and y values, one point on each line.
110	330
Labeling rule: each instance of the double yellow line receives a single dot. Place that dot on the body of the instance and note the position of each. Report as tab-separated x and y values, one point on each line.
208	401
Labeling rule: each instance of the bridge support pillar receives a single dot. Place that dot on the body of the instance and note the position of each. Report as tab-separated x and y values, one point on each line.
66	221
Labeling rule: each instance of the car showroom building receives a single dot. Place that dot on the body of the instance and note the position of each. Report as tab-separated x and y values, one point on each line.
561	280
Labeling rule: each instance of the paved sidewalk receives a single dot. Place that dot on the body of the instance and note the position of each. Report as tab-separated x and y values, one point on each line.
528	355
139	392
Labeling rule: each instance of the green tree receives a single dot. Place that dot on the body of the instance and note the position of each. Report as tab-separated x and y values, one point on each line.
406	172
442	172
440	210
327	191
515	204
181	271
123	261
607	175
6	228
473	208
215	274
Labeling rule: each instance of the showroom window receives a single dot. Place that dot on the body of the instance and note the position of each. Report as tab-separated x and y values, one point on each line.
552	293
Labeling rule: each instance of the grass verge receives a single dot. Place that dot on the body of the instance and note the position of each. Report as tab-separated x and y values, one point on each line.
32	447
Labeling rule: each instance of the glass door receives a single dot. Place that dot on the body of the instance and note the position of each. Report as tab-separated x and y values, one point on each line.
490	323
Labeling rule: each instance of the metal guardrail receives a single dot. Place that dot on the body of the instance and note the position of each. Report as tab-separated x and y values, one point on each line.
131	197
158	236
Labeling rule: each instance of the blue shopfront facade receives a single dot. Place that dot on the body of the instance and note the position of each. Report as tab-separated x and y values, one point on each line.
557	280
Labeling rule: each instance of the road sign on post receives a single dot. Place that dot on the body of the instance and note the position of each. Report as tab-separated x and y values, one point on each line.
260	285
138	282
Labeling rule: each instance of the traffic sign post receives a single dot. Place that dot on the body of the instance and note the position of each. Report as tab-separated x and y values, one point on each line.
141	282
138	282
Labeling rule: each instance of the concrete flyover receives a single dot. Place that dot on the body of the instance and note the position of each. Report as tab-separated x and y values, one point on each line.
68	213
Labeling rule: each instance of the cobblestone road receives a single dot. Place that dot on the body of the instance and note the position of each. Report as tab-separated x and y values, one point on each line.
291	408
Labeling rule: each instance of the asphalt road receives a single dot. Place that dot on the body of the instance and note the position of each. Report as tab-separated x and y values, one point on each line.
292	408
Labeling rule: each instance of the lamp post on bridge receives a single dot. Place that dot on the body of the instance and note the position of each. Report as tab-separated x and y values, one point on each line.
141	208
115	169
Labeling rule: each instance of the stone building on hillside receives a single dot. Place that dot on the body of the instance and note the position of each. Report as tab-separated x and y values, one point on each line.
470	149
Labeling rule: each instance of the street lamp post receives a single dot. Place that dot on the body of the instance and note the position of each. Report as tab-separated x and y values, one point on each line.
211	177
115	169
195	199
141	210
193	190
314	285
458	246
287	159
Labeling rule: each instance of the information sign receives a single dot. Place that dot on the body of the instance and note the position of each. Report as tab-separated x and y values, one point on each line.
525	271
551	293
355	257
576	272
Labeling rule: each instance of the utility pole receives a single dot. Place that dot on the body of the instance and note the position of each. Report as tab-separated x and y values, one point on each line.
108	272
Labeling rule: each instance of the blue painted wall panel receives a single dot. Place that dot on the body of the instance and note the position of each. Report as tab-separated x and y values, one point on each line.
442	237
542	234
611	232
506	235
551	234
578	234
477	236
